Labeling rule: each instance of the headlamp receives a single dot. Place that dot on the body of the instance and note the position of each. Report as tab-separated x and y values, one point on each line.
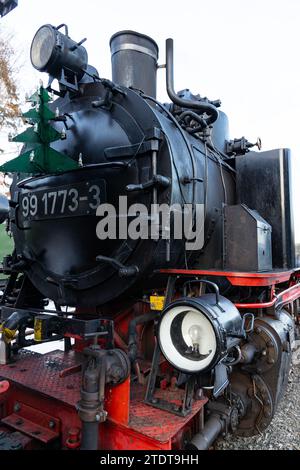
58	55
195	334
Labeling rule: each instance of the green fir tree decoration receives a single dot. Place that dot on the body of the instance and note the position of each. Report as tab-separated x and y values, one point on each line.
40	158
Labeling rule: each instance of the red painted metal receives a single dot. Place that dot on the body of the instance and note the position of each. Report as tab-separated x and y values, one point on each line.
70	370
285	297
256	305
4	387
289	295
253	280
73	441
36	383
117	401
149	428
30	429
59	409
155	423
33	423
237	278
119	342
40	374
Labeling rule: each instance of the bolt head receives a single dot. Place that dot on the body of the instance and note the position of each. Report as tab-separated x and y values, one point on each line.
17	407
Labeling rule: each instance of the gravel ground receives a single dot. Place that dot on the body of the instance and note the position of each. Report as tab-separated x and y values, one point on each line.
283	432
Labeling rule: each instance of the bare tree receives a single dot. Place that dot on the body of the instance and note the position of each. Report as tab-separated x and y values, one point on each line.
9	98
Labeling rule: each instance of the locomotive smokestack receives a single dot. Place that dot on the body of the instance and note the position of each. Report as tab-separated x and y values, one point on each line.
134	61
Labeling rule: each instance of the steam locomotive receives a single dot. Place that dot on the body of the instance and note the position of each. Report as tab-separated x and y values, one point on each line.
167	344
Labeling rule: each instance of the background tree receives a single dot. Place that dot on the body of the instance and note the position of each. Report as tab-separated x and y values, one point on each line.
9	97
9	115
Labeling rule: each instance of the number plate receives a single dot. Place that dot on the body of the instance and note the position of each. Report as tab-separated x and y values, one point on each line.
65	201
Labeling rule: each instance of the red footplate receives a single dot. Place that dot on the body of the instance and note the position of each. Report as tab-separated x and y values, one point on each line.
39	382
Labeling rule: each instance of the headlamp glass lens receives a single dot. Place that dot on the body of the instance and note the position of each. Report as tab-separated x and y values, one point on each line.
187	338
42	47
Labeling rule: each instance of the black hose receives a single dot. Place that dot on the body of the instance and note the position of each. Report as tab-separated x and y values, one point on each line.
195	117
203	107
132	338
194	130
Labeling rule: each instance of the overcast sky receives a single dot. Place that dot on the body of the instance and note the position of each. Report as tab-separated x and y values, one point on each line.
245	52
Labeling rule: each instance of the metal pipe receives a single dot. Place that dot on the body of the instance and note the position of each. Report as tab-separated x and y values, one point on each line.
89	404
102	367
154	174
5	350
204	439
203	107
89	436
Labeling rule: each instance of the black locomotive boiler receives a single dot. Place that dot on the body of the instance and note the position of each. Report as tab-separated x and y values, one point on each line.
201	336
